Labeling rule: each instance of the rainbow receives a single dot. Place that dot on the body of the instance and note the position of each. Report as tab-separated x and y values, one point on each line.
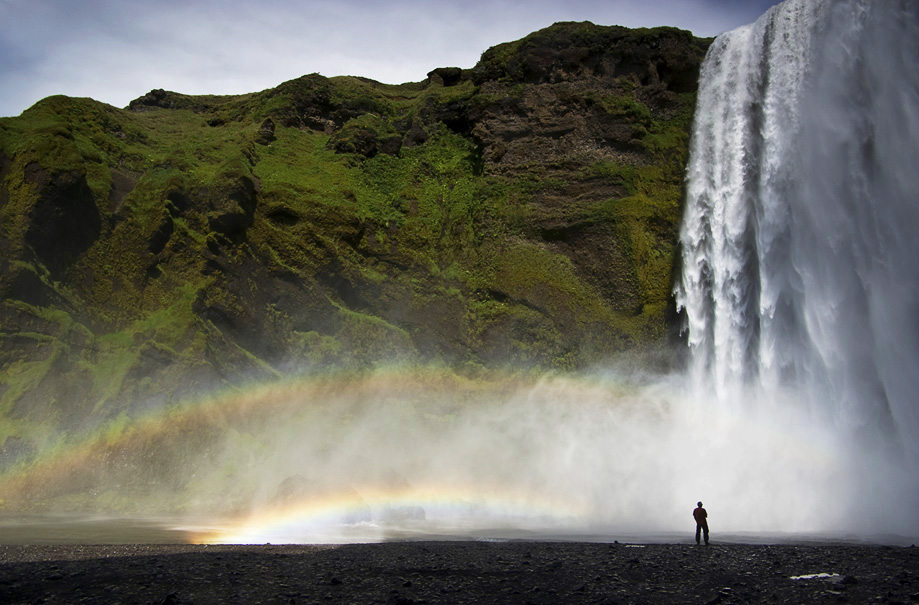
375	515
556	452
79	460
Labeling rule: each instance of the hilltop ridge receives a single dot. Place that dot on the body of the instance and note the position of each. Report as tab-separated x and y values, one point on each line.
522	213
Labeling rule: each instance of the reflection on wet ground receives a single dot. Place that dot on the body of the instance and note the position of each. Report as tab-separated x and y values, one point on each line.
84	529
90	529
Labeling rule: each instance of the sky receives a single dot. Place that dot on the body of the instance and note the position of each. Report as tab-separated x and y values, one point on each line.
117	50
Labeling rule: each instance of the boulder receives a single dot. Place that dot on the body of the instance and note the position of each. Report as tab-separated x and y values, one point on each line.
265	132
446	76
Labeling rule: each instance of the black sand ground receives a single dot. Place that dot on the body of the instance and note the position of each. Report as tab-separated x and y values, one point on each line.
459	572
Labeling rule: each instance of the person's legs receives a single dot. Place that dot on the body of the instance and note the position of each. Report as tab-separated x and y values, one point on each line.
698	531
705	530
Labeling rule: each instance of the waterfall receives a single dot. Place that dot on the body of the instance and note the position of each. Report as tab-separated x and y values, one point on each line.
800	251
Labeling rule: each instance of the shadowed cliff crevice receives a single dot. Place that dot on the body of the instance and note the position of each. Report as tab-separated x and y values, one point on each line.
522	213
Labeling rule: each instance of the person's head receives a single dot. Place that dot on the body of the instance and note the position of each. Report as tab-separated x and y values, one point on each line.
700	505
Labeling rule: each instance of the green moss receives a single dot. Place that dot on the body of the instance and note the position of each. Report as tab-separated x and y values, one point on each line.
548	281
512	60
147	201
300	172
169	326
20	376
410	239
115	356
361	95
627	108
318	349
624	175
185	230
367	338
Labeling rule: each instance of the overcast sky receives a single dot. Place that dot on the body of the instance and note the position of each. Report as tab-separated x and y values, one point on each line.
117	50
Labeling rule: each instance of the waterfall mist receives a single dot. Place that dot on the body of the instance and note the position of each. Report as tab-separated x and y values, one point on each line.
605	454
797	413
801	297
800	284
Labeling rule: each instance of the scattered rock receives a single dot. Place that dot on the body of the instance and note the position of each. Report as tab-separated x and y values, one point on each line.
165	99
445	76
391	145
234	200
416	135
357	139
397	599
160	236
265	133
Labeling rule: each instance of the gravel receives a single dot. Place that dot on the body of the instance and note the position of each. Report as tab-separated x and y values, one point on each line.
460	572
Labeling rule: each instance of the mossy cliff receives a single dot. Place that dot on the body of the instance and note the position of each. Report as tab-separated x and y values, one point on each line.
520	213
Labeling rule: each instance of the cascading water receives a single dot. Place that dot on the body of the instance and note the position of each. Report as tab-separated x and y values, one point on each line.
800	277
800	287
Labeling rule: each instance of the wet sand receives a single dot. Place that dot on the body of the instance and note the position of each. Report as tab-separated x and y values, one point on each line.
459	572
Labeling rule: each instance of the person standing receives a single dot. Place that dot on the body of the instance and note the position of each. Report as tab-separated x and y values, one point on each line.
701	517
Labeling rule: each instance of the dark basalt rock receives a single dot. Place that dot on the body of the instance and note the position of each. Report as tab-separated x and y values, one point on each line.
177	202
23	283
391	145
234	205
165	99
265	133
281	215
311	105
664	55
446	76
5	165
355	139
464	220
450	571
160	237
123	183
416	135
64	221
231	224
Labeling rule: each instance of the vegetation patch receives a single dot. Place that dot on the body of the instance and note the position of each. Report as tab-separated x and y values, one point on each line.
521	215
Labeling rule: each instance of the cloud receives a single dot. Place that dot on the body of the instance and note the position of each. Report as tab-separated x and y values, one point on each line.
115	51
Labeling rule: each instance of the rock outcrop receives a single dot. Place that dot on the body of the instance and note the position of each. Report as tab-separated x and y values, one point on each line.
520	213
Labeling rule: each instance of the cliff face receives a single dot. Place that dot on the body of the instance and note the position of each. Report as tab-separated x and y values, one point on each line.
523	212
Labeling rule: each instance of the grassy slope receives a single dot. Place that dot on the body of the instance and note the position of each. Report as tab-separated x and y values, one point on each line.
420	255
